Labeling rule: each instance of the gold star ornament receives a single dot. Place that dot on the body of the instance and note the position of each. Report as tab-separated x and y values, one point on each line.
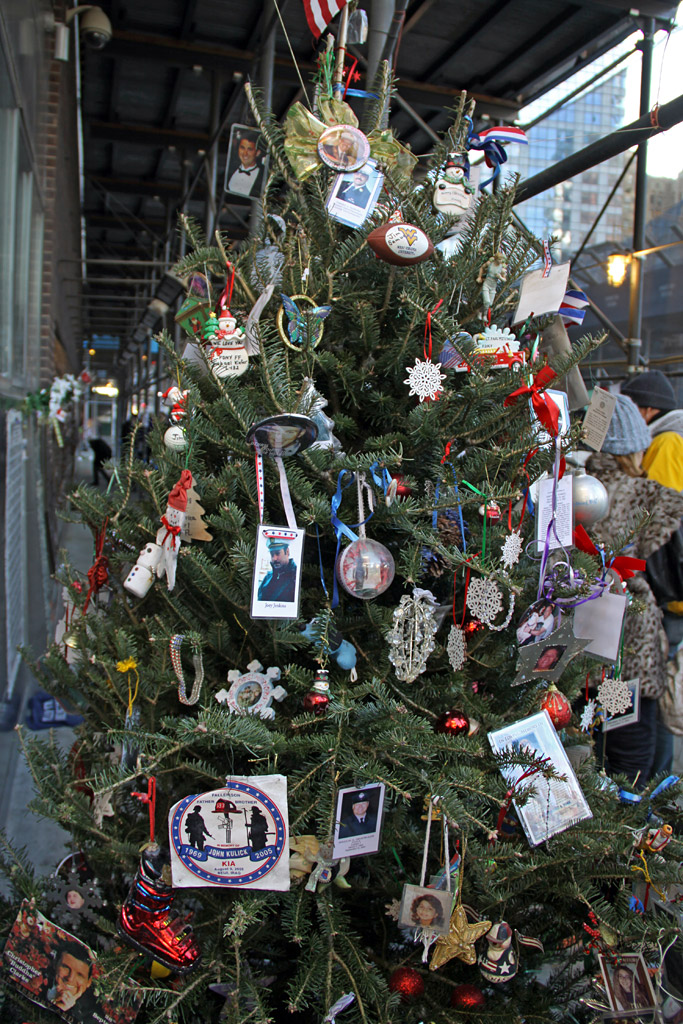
460	940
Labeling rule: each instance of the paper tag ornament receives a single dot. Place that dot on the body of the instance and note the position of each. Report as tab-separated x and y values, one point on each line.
541	294
252	692
236	837
598	417
194	527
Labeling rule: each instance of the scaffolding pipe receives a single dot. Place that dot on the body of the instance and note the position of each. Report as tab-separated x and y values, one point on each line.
617	142
635	315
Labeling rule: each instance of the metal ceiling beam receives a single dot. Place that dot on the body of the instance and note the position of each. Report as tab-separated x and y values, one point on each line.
147	134
632	134
482	22
415	14
172	52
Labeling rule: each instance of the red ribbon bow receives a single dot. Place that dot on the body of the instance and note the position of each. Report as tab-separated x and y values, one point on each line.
546	410
624	566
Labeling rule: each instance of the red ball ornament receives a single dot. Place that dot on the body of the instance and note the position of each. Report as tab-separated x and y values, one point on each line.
467	997
557	706
452	723
403	489
407	982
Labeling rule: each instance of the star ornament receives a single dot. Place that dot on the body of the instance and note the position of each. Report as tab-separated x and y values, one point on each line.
460	940
549	658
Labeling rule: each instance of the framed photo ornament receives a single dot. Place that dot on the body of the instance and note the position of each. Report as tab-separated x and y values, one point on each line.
554	804
358	820
277	573
354	195
234	838
246	166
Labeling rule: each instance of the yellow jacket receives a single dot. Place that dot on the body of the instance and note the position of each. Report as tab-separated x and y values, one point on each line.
663	462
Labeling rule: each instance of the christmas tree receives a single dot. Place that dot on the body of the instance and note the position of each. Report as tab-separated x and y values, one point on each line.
303	686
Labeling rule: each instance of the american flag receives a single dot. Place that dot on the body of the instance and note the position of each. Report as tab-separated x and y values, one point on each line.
573	308
319	13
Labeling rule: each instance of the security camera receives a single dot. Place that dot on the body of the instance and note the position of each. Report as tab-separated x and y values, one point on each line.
95	26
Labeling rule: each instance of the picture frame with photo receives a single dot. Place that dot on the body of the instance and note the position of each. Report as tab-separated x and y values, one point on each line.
343	147
553	805
628	985
633	713
354	195
276	587
537	623
427	908
246	167
358	821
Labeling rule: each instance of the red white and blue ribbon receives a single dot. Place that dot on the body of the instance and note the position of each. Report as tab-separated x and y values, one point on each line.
284	491
490	143
547	259
573	308
319	13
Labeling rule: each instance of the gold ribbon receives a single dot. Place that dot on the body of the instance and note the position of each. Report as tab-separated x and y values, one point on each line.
303	130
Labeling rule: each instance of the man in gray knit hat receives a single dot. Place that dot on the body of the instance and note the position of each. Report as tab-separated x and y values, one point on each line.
656	400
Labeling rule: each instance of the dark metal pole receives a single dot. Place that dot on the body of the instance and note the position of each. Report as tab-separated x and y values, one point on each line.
635	316
633	134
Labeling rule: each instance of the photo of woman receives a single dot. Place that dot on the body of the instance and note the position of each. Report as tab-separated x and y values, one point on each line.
426	912
628	983
423	907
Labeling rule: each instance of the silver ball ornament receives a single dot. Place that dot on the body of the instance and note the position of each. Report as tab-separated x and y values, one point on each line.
591	501
365	569
176	439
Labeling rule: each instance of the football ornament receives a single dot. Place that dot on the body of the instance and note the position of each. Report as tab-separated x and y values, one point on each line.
400	244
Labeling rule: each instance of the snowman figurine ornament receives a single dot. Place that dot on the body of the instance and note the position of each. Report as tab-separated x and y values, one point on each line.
453	193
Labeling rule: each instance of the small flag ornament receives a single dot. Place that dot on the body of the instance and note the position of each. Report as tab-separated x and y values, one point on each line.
573	308
319	13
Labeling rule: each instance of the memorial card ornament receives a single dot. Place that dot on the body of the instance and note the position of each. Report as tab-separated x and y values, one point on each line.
253	692
485	603
234	838
411	638
400	244
304	323
161	558
453	193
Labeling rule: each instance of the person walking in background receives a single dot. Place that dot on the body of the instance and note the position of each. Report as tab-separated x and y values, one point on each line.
631	749
663	462
101	454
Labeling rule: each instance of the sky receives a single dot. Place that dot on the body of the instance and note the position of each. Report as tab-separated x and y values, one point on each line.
665	152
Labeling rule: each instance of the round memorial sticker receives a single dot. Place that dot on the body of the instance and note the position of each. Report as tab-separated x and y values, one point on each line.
407	241
229	837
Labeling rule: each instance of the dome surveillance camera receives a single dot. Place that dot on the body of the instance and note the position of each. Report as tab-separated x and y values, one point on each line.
95	26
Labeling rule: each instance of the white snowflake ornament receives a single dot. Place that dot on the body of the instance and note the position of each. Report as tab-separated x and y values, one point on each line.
424	379
615	696
512	549
588	716
485	602
456	647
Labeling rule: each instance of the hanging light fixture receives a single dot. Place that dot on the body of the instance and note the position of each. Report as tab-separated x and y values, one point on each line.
617	266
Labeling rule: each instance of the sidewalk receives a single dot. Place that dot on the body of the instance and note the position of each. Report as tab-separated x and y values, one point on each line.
45	842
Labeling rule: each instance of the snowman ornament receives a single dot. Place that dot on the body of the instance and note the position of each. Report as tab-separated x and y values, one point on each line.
453	194
228	357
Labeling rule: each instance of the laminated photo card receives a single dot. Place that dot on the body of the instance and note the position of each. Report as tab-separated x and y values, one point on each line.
554	804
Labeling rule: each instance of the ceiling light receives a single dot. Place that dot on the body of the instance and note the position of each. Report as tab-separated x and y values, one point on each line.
617	266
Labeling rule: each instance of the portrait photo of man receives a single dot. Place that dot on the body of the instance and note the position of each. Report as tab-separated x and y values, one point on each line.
245	167
359	820
280	583
70	990
356	190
